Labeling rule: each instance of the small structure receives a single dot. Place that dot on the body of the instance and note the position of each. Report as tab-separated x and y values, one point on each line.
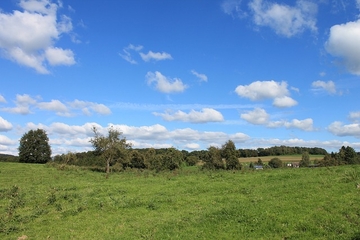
295	165
258	167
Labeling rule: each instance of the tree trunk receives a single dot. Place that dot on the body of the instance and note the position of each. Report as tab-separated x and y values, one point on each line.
107	167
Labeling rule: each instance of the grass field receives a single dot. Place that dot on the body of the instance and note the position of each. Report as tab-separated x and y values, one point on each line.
42	202
284	158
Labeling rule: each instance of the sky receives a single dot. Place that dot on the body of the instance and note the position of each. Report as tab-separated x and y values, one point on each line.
186	74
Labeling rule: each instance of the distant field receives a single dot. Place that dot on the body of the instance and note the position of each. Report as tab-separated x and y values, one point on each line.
42	202
284	158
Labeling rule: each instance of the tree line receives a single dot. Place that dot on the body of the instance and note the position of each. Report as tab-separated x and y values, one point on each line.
112	152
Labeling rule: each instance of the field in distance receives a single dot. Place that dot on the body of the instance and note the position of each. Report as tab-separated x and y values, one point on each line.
284	158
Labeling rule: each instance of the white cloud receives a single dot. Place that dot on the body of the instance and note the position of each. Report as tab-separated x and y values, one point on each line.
87	106
285	20
2	99
305	125
26	36
203	116
354	116
156	56
201	76
54	105
22	105
164	84
4	140
261	90
58	56
192	146
258	116
340	129
328	86
344	42
5	125
233	8
284	101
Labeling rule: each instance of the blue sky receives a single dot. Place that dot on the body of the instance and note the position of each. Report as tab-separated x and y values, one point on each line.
187	74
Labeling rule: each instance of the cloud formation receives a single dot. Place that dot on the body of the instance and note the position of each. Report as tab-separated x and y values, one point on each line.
5	125
201	76
156	56
27	37
328	86
285	20
344	42
261	90
203	116
25	104
339	129
164	84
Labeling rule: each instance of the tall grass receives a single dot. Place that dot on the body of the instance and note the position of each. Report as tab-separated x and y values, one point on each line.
43	202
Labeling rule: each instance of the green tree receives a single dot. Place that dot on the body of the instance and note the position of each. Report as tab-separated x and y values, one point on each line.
111	147
275	163
228	152
305	160
34	147
213	160
137	160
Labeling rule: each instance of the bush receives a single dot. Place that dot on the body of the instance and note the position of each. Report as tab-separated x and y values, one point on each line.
275	163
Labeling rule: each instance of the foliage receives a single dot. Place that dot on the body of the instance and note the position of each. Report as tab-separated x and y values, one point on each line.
8	158
111	147
305	160
34	147
213	161
191	160
275	163
228	152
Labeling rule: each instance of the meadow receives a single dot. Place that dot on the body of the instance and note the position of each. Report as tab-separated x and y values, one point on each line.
283	158
47	202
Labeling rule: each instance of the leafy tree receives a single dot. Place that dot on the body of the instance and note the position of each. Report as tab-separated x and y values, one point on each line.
110	147
213	160
348	155
228	152
34	147
137	160
191	160
260	162
305	160
275	163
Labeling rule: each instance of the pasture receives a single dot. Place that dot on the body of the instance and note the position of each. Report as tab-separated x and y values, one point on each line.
44	202
283	158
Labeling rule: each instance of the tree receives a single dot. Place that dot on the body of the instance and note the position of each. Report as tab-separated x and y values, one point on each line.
275	163
228	152
34	147
305	160
213	160
110	147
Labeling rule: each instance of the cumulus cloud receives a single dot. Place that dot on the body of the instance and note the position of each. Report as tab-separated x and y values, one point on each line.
203	116
339	129
156	56
258	116
164	84
328	86
305	125
285	20
22	105
27	37
344	42
261	90
54	105
25	104
5	125
201	76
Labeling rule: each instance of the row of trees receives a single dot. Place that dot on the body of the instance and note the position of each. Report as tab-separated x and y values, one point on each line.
114	152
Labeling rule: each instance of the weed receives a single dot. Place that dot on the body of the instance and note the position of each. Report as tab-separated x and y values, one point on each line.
351	175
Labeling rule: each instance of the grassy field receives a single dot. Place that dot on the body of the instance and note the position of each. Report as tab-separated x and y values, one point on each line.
42	202
284	158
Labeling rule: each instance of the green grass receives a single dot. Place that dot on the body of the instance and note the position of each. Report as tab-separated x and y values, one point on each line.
42	202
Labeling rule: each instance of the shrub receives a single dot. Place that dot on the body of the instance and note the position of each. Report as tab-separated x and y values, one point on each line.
275	163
